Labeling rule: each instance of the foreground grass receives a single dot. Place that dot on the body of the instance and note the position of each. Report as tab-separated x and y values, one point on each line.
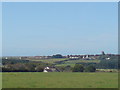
59	80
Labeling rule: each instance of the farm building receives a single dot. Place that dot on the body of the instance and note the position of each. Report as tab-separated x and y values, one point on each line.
50	69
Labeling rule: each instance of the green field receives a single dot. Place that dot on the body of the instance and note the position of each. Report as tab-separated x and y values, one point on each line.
59	80
72	65
83	61
73	62
50	60
69	62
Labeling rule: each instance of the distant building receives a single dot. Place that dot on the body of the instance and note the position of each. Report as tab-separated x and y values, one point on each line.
107	58
50	69
6	58
20	58
103	53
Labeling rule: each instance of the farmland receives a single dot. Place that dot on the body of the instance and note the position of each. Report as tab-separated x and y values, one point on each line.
65	61
49	60
59	80
84	61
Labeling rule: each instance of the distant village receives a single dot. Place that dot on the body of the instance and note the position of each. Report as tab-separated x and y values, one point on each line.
84	57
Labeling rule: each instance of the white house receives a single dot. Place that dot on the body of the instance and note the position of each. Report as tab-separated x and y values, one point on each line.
107	58
48	69
6	58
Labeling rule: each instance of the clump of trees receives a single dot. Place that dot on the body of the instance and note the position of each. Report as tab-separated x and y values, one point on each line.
13	61
78	68
90	68
39	68
19	67
23	66
57	56
81	68
67	68
108	64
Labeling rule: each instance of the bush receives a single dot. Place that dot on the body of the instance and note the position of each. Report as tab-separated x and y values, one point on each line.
68	68
78	68
39	69
60	68
90	68
57	56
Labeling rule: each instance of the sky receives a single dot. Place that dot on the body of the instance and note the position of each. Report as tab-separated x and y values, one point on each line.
47	28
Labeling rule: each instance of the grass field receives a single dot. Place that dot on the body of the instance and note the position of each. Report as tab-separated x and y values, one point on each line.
84	61
72	65
59	80
73	62
50	60
70	62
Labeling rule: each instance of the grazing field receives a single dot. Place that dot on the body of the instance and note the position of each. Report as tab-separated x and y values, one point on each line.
69	62
82	61
73	62
72	65
50	60
59	80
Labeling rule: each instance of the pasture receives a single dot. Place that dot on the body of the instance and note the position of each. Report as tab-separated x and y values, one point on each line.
69	62
59	80
49	60
82	61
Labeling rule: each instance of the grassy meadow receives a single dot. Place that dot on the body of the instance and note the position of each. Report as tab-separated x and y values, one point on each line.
49	60
82	61
59	80
69	62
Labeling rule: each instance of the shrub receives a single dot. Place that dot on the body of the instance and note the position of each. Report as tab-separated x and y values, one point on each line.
39	68
78	68
57	56
90	68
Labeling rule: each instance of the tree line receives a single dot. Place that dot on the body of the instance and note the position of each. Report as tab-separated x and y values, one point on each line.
81	68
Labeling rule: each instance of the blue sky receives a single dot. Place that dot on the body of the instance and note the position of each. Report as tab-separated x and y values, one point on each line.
65	28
